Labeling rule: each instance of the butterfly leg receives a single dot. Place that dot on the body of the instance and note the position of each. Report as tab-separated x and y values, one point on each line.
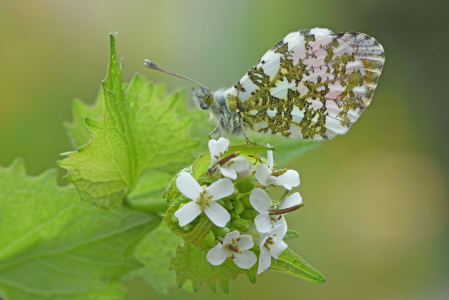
217	131
246	137
215	134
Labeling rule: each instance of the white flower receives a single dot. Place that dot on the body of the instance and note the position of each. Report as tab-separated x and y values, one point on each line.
267	176
217	148
271	245
235	166
203	199
234	246
270	214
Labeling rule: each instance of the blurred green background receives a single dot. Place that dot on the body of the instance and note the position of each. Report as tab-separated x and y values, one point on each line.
376	215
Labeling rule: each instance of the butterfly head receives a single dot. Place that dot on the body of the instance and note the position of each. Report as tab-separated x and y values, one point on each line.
203	97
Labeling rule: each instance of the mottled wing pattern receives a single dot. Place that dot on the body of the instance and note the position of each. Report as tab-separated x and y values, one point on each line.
313	84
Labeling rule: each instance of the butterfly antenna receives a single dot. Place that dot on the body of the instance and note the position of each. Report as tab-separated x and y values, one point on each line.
152	65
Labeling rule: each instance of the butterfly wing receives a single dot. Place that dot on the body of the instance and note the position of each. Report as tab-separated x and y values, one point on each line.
313	84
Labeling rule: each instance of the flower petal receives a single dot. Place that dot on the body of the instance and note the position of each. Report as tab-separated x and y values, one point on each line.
187	213
217	255
188	186
263	238
220	189
264	260
246	242
273	180
221	145
291	177
260	200
277	247
211	145
245	260
217	214
280	229
262	174
290	201
263	222
228	172
239	163
231	236
247	171
217	148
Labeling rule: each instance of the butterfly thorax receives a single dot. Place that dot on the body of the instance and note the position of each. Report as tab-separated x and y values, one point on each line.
228	119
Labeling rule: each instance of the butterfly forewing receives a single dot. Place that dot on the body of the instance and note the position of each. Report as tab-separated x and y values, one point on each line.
313	84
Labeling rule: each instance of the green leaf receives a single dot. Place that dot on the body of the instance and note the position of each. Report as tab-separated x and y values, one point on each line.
136	132
155	252
292	264
291	234
77	131
191	263
54	246
286	150
148	193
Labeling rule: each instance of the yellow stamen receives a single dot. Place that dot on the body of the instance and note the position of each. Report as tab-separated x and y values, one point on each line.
268	242
203	201
277	173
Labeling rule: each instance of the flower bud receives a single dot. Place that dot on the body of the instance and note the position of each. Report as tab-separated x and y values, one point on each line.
226	204
245	186
249	214
238	206
223	231
240	224
245	201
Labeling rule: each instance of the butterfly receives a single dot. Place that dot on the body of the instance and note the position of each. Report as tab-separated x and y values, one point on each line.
314	84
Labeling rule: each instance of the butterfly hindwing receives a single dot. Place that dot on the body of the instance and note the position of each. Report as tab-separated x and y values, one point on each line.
313	84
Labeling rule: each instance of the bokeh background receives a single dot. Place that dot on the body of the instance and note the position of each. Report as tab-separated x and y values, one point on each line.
377	210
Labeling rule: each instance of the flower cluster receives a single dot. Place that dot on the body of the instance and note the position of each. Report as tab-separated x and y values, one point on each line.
237	202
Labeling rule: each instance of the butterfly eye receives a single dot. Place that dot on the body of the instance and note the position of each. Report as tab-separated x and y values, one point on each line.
208	98
203	97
